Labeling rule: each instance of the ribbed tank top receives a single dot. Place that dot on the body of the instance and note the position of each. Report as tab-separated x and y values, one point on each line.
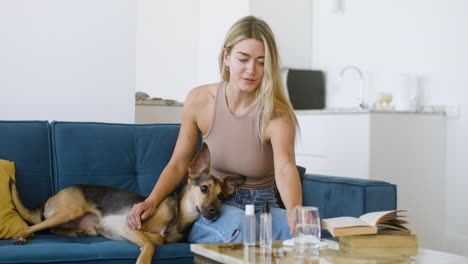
235	144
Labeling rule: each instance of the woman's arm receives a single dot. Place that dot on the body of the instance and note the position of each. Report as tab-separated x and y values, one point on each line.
175	170
281	133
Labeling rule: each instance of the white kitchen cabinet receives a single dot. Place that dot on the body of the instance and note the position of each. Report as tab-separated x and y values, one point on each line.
334	144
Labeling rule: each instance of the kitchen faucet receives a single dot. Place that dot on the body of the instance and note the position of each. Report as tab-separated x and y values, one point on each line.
362	104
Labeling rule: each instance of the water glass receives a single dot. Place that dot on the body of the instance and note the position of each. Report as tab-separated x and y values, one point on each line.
307	236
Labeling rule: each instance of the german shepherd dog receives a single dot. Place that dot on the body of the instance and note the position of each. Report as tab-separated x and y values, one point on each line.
89	210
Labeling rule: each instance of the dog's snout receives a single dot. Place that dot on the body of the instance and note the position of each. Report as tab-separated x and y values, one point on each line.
211	213
212	210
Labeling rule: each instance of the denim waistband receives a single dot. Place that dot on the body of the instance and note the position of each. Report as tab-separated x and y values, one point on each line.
241	197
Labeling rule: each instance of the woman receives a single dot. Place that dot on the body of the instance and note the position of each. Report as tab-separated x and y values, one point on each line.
249	126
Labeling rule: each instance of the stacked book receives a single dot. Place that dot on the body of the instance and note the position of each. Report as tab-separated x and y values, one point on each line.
382	234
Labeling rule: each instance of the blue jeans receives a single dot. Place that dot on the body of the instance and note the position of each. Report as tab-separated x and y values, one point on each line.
229	226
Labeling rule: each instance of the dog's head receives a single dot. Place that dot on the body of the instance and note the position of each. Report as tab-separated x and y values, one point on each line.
208	191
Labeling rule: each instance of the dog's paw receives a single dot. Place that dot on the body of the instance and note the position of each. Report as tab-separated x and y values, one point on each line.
17	240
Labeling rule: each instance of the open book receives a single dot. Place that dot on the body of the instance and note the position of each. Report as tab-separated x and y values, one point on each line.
368	223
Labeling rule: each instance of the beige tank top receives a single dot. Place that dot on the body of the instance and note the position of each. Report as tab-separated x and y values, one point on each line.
235	144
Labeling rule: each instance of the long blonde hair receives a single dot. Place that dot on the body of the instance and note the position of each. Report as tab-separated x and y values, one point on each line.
271	93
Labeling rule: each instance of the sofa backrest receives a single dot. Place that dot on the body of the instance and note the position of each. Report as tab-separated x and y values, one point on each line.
125	156
27	143
342	196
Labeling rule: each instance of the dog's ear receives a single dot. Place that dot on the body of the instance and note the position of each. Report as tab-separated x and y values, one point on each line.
231	182
201	161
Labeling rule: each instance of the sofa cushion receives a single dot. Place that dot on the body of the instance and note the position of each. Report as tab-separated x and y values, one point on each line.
48	248
26	143
125	156
10	221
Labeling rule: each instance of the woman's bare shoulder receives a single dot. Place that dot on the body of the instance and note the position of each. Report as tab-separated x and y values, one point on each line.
278	113
202	94
280	119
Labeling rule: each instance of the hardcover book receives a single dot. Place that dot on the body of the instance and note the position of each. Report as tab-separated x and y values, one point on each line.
369	223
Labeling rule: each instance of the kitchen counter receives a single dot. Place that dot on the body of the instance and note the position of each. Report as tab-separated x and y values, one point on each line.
366	111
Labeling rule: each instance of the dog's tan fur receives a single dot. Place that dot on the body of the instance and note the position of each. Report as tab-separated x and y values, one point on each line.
73	211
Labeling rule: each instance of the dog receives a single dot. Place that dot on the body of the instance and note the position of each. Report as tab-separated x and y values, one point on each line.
90	210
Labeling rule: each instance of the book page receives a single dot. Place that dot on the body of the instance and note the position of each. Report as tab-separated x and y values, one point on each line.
392	221
341	222
394	226
374	217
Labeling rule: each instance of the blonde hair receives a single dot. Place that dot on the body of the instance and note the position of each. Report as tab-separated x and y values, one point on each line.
271	93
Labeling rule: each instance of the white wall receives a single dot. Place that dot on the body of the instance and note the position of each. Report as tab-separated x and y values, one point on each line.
388	38
216	17
67	60
178	48
291	22
167	47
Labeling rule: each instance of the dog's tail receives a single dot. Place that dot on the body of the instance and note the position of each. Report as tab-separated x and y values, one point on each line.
30	216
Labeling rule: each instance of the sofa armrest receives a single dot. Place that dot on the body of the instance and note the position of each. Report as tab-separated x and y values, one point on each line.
340	196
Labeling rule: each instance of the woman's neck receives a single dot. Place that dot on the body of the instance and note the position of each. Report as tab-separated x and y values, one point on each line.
238	101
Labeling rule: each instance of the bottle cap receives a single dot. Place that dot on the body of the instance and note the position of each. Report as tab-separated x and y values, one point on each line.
249	209
266	207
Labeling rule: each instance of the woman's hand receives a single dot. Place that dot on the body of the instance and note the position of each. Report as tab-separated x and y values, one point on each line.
140	212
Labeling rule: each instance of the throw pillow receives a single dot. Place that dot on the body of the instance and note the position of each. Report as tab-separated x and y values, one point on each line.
10	221
301	171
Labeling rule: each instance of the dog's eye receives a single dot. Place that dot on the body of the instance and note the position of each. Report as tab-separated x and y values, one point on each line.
221	196
204	188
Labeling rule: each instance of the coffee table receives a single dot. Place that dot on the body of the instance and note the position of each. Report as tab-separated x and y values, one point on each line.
236	253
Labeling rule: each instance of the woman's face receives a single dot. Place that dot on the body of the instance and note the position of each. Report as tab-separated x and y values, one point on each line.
246	64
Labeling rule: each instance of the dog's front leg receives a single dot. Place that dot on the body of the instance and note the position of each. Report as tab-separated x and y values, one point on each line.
156	239
138	238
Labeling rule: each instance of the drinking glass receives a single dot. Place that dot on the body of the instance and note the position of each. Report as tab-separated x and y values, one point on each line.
307	236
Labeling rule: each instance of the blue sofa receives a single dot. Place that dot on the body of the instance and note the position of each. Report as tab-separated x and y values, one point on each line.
52	156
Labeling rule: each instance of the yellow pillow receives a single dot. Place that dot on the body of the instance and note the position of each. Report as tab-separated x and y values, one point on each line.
10	221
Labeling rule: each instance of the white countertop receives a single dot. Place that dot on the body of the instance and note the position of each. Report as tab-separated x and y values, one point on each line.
364	111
